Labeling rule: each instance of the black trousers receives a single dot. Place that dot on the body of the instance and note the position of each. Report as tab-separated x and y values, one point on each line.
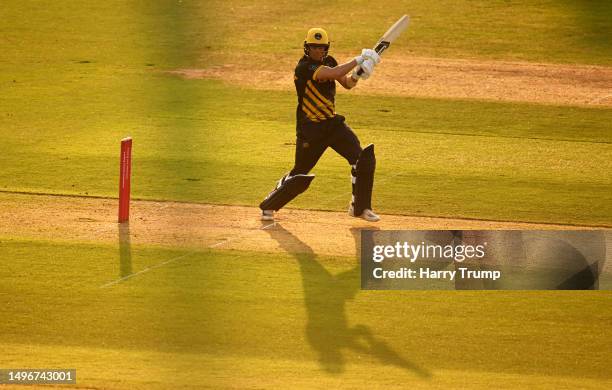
314	138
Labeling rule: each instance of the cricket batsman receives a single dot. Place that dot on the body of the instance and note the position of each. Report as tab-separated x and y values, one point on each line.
319	127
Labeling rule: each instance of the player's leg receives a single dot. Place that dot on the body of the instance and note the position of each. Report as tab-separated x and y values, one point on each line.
363	182
307	153
363	165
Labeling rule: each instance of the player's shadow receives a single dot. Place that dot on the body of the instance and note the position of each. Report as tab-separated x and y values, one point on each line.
327	329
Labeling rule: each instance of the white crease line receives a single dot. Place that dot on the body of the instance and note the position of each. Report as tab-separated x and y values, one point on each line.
176	258
145	270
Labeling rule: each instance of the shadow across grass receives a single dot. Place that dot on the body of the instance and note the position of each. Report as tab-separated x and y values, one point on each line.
327	329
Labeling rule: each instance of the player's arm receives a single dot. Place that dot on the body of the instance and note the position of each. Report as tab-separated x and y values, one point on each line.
367	60
366	67
347	81
324	73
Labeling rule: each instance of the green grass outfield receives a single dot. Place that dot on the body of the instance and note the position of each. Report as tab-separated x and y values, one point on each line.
211	143
77	76
247	319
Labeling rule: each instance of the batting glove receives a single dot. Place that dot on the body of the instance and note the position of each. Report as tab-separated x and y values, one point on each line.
367	66
371	54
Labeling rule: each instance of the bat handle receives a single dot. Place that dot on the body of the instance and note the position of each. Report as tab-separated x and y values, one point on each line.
382	46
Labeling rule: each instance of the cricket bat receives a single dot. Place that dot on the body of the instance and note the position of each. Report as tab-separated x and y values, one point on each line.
391	35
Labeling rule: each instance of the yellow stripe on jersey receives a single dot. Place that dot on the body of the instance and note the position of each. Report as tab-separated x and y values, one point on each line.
313	109
320	105
310	115
319	95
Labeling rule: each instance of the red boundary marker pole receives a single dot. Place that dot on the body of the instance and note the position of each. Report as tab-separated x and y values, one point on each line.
125	171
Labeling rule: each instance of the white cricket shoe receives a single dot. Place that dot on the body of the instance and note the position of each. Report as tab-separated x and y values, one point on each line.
367	214
267	215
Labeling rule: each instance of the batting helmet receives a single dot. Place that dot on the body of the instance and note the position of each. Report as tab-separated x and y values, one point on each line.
316	36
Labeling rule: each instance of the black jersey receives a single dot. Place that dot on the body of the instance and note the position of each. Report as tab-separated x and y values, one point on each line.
316	99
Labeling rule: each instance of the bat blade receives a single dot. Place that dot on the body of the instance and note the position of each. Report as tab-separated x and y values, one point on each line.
395	30
391	35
